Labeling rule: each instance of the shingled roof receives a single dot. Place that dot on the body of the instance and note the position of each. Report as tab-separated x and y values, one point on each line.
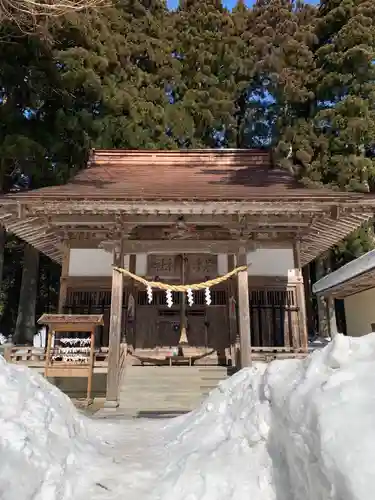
179	175
119	183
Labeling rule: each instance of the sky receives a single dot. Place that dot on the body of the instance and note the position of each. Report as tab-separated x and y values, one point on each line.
172	4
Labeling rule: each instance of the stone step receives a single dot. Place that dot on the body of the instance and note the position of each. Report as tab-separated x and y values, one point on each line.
142	371
168	387
166	390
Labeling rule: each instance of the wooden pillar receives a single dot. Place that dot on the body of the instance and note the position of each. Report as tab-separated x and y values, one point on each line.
113	376
310	314
320	272
234	339
331	312
302	340
130	332
183	323
63	279
244	311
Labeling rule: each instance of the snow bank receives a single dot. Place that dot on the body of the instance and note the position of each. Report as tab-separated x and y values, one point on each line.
43	440
322	433
220	451
291	430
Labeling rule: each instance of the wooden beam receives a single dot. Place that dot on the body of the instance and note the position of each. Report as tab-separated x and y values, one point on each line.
244	311
63	280
297	255
131	284
282	205
263	231
161	219
234	339
113	377
181	246
302	340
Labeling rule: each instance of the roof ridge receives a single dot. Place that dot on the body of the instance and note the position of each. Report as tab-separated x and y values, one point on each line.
181	151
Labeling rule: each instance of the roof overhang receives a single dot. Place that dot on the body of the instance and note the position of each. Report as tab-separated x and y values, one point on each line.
355	277
317	223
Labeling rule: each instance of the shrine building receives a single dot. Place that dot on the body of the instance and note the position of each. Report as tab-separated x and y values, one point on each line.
183	217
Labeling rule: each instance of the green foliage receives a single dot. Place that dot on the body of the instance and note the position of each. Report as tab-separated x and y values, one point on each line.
358	243
203	96
333	142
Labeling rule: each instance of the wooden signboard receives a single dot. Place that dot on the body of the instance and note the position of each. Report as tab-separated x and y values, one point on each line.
163	266
71	345
199	266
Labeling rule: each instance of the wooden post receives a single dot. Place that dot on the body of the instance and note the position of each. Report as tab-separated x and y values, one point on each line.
323	327
64	274
113	376
331	310
310	314
50	334
244	311
130	333
183	336
91	363
302	340
234	339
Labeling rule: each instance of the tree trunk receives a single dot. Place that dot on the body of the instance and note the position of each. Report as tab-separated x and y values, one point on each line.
25	326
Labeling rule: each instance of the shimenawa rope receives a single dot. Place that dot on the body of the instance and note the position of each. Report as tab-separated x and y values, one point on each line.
181	288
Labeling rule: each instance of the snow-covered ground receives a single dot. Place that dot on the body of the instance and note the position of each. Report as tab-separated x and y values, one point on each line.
292	430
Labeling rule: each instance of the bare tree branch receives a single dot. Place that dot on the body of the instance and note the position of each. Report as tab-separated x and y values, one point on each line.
22	11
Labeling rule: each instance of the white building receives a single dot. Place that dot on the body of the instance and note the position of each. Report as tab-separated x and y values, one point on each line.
355	284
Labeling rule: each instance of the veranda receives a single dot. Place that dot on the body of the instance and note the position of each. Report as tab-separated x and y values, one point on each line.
186	217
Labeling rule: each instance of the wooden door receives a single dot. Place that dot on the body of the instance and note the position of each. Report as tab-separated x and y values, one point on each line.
218	328
196	332
168	331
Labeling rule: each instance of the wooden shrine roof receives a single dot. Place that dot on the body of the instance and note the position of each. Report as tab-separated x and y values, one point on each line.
207	174
236	189
354	277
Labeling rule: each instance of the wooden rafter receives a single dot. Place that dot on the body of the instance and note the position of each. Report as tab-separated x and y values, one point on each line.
317	225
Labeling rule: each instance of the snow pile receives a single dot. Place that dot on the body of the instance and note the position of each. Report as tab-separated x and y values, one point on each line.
287	431
297	429
42	437
220	451
322	433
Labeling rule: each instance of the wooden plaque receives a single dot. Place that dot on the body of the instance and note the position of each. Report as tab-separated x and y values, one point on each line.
164	266
201	265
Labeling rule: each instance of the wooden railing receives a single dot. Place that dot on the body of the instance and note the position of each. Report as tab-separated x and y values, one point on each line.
273	309
35	357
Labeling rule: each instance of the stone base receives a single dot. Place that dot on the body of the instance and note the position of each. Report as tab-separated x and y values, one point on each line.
111	405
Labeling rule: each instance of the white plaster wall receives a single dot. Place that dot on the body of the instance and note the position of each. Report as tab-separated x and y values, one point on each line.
141	264
92	262
271	262
222	263
95	262
360	312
